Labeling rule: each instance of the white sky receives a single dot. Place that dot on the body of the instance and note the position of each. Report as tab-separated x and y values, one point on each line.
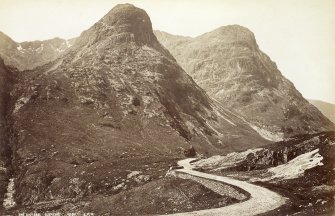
299	35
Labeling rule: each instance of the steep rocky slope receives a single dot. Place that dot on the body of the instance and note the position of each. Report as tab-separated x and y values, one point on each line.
327	109
6	84
28	55
228	64
114	102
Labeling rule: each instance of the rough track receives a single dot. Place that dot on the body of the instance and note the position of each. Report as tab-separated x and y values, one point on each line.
261	200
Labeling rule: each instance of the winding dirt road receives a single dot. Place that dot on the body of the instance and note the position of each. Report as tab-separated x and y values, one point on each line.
262	200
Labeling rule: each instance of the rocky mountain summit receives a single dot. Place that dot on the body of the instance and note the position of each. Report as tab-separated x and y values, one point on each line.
28	55
228	64
114	102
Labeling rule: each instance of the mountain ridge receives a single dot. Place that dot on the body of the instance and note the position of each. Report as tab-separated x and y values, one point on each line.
228	64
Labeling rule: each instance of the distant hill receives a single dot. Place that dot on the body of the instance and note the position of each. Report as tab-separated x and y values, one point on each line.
28	55
327	109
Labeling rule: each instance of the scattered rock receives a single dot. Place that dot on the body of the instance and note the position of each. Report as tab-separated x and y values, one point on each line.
119	186
133	174
142	178
190	152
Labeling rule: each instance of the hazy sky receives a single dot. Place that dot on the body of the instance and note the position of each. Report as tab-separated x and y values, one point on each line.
299	35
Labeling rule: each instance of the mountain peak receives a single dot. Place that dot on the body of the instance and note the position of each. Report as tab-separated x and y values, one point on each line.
127	14
125	24
128	19
233	34
228	64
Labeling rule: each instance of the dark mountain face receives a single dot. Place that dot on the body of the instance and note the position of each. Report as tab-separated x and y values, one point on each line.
230	67
6	83
28	55
113	102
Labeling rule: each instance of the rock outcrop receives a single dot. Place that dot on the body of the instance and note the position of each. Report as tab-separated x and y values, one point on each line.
275	154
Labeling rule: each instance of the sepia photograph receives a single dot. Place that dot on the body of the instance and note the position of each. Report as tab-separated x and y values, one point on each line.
158	107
